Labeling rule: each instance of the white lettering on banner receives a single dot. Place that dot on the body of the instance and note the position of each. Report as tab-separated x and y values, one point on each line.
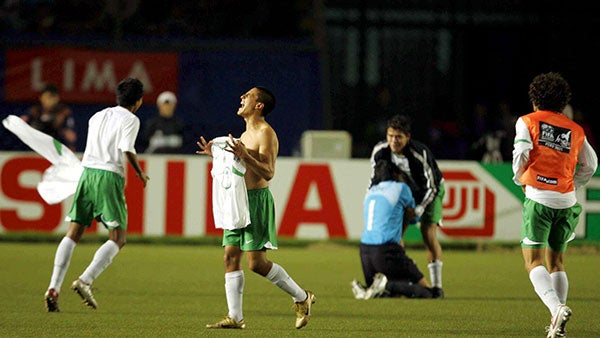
69	75
106	79
85	75
316	200
97	78
139	71
37	82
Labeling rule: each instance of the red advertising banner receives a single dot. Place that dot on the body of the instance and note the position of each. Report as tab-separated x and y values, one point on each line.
86	75
317	200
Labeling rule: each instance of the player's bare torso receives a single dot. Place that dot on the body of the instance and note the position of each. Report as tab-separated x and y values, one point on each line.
262	144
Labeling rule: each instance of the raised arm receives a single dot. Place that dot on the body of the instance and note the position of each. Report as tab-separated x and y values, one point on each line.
204	147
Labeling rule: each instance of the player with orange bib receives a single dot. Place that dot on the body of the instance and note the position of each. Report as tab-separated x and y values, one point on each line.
551	159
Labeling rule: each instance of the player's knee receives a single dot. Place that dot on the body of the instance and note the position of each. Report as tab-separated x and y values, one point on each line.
532	264
254	265
258	266
121	242
229	259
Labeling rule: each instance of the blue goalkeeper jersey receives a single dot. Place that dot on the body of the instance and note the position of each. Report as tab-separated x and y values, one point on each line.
383	212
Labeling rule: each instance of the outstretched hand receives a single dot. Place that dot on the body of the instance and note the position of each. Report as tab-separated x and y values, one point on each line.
204	147
237	148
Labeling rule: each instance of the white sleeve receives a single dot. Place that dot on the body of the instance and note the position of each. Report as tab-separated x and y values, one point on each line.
376	148
588	163
129	131
522	146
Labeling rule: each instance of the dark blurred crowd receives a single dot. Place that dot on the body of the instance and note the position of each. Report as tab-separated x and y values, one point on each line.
118	18
484	133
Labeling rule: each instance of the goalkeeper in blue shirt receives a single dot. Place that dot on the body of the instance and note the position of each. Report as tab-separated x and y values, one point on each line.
388	271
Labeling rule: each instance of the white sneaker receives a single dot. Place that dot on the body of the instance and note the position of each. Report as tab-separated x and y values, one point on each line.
377	287
559	321
358	290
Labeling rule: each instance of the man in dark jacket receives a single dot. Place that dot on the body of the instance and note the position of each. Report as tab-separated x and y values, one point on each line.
164	133
426	182
53	117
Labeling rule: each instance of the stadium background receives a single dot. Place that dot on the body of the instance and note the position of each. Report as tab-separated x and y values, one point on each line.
330	63
327	59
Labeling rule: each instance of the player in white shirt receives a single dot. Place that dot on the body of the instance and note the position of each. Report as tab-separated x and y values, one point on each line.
100	193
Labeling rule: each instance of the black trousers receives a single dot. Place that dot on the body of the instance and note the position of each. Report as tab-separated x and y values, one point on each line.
389	259
401	271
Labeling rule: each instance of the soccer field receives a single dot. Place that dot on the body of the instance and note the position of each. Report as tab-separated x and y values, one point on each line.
174	290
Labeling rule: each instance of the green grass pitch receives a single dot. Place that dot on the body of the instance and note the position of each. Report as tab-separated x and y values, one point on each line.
154	290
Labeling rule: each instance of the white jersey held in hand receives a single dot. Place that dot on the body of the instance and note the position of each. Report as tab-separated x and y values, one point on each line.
230	197
60	180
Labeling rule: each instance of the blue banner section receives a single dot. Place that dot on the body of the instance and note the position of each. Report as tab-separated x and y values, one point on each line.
211	83
209	89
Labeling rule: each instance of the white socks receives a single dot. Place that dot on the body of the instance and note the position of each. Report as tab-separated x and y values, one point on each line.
280	277
102	259
435	273
234	290
542	284
62	258
560	282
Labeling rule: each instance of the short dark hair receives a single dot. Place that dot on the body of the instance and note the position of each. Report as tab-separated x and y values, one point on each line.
385	171
400	122
549	91
129	91
50	88
267	98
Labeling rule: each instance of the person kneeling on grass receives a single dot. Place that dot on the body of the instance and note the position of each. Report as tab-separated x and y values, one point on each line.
388	271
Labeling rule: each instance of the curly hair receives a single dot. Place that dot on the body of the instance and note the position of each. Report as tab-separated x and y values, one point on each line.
549	91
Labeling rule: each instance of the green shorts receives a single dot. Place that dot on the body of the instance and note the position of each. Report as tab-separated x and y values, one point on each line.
261	233
100	195
433	211
543	226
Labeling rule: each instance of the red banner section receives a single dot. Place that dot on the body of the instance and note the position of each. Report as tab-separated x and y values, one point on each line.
51	215
84	75
330	213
